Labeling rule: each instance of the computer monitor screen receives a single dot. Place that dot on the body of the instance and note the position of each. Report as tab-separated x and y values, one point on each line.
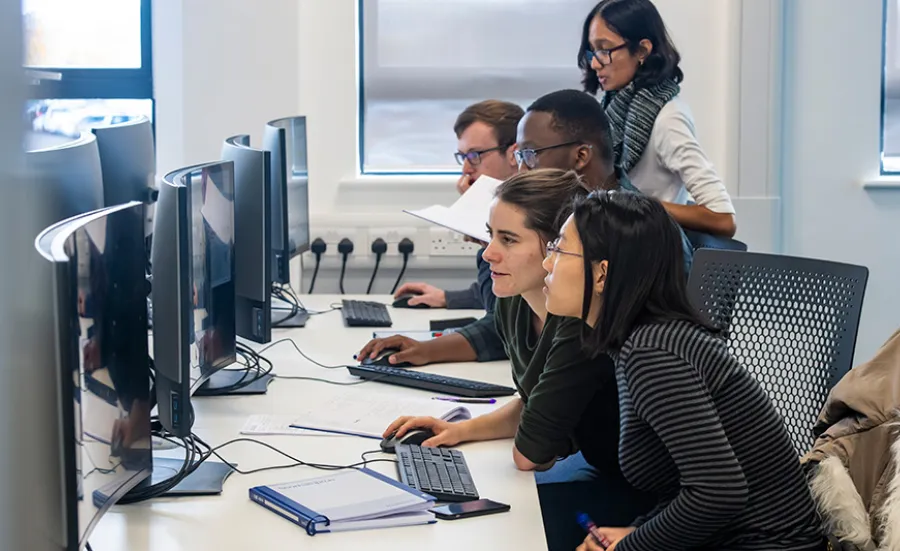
100	294
274	142
193	286
297	171
127	160
252	238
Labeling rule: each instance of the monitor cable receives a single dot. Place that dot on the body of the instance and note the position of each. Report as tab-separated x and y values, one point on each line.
214	452
316	363
318	248
406	247
379	247
254	368
345	247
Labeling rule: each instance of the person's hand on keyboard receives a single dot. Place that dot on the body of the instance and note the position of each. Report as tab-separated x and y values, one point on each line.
411	350
445	434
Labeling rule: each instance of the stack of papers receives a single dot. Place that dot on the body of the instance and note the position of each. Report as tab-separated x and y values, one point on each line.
354	499
469	214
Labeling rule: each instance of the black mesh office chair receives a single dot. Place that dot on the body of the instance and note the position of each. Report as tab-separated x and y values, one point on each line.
790	321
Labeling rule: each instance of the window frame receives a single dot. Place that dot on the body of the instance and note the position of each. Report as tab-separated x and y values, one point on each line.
361	103
883	171
64	83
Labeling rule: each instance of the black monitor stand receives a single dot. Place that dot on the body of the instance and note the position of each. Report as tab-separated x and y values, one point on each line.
228	378
283	318
208	479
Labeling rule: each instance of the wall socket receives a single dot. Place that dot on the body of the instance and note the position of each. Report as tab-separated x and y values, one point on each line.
450	243
392	236
361	247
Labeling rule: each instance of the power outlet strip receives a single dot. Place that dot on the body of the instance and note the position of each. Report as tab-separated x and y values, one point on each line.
450	243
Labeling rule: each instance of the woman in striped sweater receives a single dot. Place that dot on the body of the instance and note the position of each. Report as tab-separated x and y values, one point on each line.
696	428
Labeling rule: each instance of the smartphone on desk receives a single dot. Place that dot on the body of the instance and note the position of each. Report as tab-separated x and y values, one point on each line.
466	509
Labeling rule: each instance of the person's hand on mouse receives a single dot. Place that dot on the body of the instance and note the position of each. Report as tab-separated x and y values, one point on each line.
410	350
425	294
445	434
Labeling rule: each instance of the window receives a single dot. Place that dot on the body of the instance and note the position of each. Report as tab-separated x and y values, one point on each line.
424	61
90	62
890	114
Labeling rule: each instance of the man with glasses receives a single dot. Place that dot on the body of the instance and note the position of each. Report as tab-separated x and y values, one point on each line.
569	130
486	137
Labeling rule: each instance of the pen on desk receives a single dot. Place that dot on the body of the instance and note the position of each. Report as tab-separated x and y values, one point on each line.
589	526
466	400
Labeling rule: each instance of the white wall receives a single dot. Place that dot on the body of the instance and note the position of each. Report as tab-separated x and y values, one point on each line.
221	67
831	146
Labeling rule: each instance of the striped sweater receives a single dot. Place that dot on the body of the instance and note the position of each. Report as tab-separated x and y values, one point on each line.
698	431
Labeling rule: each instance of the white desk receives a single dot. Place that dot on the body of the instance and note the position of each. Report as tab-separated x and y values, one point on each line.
231	521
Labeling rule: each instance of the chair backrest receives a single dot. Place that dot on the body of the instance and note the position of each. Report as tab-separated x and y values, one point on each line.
700	240
792	322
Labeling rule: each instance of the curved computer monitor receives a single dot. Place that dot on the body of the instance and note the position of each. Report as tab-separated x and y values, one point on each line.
286	139
127	161
252	238
193	292
99	292
68	175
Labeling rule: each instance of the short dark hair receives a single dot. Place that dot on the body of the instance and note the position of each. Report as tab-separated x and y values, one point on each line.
645	280
502	116
579	117
545	195
633	20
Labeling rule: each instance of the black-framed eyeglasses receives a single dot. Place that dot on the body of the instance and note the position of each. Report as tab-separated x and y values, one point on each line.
529	157
474	157
603	56
553	247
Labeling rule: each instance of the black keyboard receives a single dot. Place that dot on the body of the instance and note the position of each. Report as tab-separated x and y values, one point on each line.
439	472
429	381
363	313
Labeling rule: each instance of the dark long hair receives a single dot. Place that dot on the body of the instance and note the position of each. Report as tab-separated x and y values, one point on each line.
633	20
545	195
645	279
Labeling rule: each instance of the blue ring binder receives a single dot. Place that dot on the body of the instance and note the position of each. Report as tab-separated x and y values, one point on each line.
311	525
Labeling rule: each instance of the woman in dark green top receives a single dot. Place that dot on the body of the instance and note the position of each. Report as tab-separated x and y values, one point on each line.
564	401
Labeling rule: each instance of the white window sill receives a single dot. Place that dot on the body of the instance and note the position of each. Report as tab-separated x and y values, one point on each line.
885	181
400	182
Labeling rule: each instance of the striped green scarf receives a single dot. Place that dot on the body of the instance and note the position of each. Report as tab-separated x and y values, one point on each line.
631	116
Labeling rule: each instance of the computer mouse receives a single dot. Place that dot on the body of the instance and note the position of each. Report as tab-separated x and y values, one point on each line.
403	302
413	437
382	359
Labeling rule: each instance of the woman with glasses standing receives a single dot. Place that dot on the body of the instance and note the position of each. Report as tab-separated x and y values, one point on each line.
627	53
